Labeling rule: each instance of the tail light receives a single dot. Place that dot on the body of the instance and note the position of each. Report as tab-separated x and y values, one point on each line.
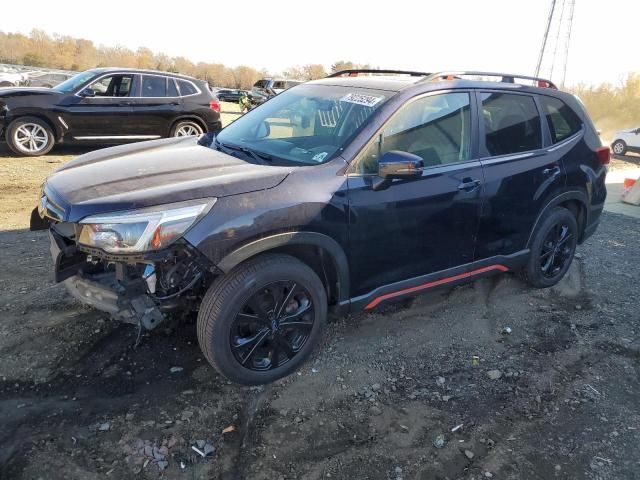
214	105
604	155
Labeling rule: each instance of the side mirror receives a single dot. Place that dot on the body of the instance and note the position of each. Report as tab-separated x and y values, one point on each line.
396	164
264	130
88	92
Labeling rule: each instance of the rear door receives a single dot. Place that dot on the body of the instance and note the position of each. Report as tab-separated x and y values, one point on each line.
424	225
106	113
155	106
521	173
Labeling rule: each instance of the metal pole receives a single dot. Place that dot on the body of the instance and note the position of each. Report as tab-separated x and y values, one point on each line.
544	39
572	4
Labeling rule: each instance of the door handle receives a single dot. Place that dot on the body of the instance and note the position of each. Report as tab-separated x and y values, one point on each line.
469	184
551	172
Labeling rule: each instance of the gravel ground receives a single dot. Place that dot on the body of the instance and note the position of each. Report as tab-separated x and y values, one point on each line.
555	398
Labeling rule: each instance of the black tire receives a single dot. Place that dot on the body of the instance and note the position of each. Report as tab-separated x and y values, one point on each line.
557	257
226	307
619	147
183	126
45	137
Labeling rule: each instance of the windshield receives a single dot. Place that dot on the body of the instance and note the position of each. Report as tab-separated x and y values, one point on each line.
308	124
74	82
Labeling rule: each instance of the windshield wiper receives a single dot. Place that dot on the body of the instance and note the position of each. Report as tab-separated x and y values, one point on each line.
262	158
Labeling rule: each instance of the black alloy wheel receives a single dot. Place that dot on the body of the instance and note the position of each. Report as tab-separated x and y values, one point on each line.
552	247
273	325
263	319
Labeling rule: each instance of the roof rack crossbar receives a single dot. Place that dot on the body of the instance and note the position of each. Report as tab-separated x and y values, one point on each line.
505	77
356	71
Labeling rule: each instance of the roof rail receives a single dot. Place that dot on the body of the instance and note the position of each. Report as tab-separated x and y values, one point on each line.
355	71
504	77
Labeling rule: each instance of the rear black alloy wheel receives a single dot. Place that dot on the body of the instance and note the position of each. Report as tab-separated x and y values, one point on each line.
552	248
556	250
272	326
262	320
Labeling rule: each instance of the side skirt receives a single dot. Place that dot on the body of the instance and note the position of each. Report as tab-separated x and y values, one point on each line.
449	277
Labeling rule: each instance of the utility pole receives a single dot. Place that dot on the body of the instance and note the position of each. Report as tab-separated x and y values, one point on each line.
554	52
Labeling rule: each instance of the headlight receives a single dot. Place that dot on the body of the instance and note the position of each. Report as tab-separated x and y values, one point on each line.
142	230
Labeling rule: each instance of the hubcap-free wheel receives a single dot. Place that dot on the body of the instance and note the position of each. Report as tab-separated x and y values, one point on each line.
552	247
262	320
31	138
618	148
556	250
186	129
272	326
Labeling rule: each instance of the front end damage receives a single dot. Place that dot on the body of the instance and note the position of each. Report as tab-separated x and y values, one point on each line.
135	288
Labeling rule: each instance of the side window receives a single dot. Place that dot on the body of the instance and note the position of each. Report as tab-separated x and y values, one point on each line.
279	84
113	86
436	128
563	122
186	88
153	86
511	122
172	90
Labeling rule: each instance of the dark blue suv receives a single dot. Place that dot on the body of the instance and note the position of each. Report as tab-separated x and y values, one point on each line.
343	193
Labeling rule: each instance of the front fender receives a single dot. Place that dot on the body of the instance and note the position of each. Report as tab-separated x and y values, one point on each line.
264	244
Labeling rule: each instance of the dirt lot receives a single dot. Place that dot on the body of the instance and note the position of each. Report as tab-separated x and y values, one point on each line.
555	398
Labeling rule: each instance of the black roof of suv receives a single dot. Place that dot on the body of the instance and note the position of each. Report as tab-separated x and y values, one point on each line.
343	193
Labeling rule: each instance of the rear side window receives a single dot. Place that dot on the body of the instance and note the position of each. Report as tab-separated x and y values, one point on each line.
153	86
186	88
563	122
511	123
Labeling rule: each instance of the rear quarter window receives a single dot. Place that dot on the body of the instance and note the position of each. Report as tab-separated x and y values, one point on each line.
562	120
186	88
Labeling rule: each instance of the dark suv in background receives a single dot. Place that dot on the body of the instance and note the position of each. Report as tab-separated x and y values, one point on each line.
343	193
106	106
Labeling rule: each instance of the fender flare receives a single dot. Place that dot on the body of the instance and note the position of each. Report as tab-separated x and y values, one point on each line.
333	248
557	200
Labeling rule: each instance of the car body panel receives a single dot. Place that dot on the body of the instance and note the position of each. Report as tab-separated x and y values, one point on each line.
149	173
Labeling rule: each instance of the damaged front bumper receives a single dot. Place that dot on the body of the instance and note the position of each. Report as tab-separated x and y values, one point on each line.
139	289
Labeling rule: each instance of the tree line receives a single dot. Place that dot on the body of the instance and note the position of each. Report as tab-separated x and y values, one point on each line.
39	49
612	107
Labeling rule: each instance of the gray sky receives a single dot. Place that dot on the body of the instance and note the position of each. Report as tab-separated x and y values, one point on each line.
502	35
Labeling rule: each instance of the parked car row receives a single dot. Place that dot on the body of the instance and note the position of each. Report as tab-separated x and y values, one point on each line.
231	95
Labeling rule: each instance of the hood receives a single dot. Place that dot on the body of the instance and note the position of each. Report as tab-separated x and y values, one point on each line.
25	91
152	173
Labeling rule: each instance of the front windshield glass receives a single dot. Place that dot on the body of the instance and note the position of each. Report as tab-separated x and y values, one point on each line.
74	82
308	124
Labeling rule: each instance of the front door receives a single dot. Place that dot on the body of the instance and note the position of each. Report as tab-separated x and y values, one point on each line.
416	227
101	111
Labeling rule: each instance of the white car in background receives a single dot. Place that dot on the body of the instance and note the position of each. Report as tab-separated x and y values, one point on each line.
626	141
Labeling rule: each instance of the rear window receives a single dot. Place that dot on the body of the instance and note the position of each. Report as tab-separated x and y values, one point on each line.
563	122
186	88
512	123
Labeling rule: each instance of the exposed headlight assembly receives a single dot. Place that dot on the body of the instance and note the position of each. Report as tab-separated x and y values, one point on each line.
143	230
